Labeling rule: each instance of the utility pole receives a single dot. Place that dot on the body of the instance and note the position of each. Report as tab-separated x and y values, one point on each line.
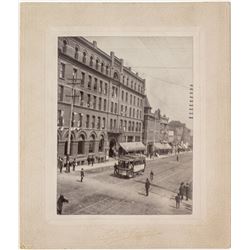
73	83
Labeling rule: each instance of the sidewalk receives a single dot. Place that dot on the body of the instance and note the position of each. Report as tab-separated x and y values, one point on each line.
97	166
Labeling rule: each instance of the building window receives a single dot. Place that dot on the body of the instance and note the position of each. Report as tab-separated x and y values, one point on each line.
139	127
126	109
129	125
137	113
60	93
98	122
121	109
112	107
111	123
93	121
127	81
130	112
114	123
101	144
62	70
140	114
84	57
138	102
80	120
133	113
100	103
121	124
94	102
123	80
125	125
116	108
88	100
133	126
95	85
132	84
103	123
131	99
60	119
135	85
76	53
65	46
83	77
107	70
74	73
92	144
134	100
81	145
116	77
141	102
91	61
102	67
126	96
113	91
122	95
106	89
101	86
87	121
81	98
105	105
96	64
89	82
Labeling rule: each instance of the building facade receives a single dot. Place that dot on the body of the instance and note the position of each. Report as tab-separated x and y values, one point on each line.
100	101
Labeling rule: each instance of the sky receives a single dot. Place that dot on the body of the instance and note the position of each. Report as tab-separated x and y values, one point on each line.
167	65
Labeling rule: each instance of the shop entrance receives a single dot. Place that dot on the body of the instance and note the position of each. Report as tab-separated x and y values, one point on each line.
112	148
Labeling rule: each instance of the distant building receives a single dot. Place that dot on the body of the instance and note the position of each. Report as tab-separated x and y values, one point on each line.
108	101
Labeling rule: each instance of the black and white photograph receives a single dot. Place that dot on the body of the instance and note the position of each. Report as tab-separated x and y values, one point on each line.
125	125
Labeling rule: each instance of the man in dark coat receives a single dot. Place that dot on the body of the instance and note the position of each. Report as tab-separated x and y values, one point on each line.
182	190
147	186
74	164
187	191
92	161
177	200
151	175
82	174
60	202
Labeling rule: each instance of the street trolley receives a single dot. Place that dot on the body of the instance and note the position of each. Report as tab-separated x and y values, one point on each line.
130	165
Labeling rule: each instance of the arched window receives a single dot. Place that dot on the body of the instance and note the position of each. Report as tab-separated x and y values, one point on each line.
102	67
76	53
96	64
65	46
116	77
91	61
92	144
81	145
84	57
101	144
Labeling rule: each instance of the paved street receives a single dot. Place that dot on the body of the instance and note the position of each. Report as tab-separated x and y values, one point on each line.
102	193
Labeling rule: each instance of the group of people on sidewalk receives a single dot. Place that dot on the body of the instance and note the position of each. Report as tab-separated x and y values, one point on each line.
184	190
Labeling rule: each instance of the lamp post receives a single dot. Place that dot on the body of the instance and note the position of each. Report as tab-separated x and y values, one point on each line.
73	83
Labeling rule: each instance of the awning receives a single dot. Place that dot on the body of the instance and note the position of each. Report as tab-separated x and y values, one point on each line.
162	146
132	146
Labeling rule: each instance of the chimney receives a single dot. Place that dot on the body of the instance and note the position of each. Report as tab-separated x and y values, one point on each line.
95	44
112	55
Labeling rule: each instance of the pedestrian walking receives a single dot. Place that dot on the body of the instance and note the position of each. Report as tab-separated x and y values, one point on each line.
74	164
177	157
182	190
82	174
88	159
60	164
60	202
92	161
187	191
177	200
151	175
147	186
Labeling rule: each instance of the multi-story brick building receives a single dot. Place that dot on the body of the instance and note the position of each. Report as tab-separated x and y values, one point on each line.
105	97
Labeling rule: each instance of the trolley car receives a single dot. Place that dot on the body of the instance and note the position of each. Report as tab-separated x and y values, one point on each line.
129	166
